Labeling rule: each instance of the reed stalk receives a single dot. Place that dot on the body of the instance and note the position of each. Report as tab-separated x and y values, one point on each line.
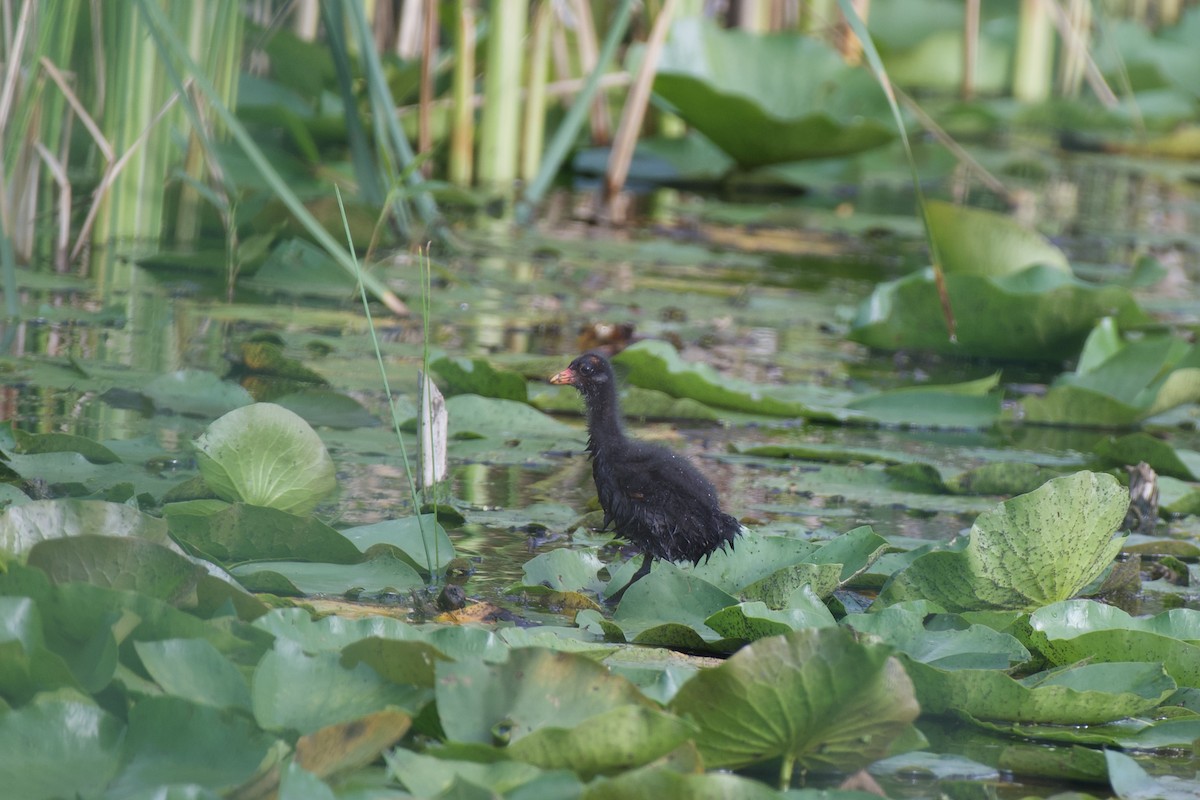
634	113
500	122
534	127
589	60
462	132
564	137
1035	51
970	48
428	50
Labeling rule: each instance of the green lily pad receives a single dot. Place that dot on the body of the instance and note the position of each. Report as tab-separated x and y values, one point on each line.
972	404
22	527
754	620
623	738
170	740
478	376
432	776
61	745
655	364
242	532
265	455
563	570
292	690
92	450
118	562
1080	695
534	689
383	573
196	392
1029	551
419	540
1006	478
754	96
194	670
1076	630
815	696
1162	457
1119	383
974	241
328	408
1131	782
973	647
656	782
1038	314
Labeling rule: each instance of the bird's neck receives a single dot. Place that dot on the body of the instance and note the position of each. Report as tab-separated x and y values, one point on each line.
604	422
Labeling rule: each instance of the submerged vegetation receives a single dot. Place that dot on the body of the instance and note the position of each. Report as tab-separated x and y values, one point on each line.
968	479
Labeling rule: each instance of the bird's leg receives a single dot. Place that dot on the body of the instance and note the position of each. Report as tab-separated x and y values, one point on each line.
642	572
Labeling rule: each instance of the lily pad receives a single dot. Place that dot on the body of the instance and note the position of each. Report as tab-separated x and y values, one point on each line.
242	532
1119	383
265	455
972	647
1076	630
1038	314
383	573
92	450
815	697
1161	456
974	241
1081	695
534	689
61	745
1030	551
655	364
478	376
22	527
754	96
196	392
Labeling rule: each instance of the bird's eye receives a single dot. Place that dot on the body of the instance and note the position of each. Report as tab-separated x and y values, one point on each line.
587	367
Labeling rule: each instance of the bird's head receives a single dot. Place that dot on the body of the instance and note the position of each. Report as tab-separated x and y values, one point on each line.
590	374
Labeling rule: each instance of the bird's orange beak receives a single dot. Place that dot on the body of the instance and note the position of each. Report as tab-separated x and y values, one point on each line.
564	377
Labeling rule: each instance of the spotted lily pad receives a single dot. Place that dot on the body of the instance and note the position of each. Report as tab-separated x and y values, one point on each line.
1029	551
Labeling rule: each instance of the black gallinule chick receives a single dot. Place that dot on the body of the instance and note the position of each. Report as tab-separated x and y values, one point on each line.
652	496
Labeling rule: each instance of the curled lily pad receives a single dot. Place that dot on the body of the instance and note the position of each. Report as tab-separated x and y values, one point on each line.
1080	695
265	455
1038	314
1029	551
815	697
1083	629
974	241
754	96
1118	383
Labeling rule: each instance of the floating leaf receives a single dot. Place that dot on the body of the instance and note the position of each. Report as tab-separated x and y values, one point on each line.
478	376
93	451
383	573
655	364
118	562
1119	383
1078	630
242	532
196	392
815	696
22	527
1029	551
295	691
60	745
1038	314
973	647
754	96
265	455
975	241
420	541
1162	458
1080	695
194	670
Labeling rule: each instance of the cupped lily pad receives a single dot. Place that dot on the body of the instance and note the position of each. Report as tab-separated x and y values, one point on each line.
1161	456
1077	630
1118	383
1038	314
1080	695
974	241
265	455
756	97
1029	551
815	697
